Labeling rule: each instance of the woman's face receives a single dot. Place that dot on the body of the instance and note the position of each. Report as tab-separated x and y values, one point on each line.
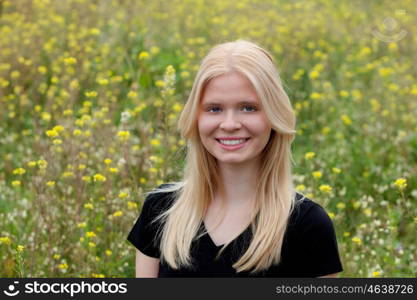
232	124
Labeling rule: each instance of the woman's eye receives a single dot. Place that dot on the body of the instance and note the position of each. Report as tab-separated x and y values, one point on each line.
212	108
251	108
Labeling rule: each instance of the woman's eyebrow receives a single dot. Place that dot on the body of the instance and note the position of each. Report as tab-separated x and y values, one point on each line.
215	102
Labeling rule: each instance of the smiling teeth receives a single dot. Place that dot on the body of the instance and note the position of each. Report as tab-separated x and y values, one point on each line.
232	142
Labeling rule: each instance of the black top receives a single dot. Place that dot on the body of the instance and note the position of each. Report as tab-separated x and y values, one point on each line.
309	248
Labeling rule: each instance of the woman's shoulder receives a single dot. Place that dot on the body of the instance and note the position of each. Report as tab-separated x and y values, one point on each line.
307	211
162	196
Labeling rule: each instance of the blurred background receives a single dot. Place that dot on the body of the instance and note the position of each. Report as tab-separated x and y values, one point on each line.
90	94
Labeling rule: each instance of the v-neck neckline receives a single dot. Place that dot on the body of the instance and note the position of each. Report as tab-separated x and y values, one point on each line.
232	241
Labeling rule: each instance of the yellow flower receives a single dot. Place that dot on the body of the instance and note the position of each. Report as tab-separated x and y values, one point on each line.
336	170
401	183
325	130
376	274
317	174
19	171
356	204
131	205
108	252
356	240
344	93
52	133
42	164
314	74
94	275
63	266
331	215
20	248
56	256
90	94
86	178
132	94
160	83
367	212
99	177
155	142
102	81
82	224
42	69
300	187
88	206
31	164
107	161
16	183
309	155
50	183
117	213
5	240
70	61
90	234
91	244
113	170
123	135
57	142
341	205
143	55
346	120
325	188
142	180
123	195
346	234
76	132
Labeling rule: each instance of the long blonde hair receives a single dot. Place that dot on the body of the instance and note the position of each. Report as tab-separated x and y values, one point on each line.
275	191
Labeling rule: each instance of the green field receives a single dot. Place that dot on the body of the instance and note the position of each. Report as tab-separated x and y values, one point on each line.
90	94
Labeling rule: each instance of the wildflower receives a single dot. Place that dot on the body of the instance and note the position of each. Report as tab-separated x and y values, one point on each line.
317	174
90	234
5	240
20	248
57	142
90	94
46	116
314	74
325	130
91	244
19	171
99	177
325	188
331	215
177	107
94	275
123	195
88	206
155	142
132	94
16	183
131	205
63	266
102	81
341	205
42	164
143	55
82	224
123	135
401	183
346	120
108	252
70	61
336	170
367	212
67	174
300	187
142	180
76	132
309	155
376	274
346	234
86	178
31	164
42	69
356	240
356	204
316	96
344	93
160	83
117	213
155	50
113	170
50	183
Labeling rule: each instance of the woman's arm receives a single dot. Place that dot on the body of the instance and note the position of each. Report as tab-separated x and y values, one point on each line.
146	266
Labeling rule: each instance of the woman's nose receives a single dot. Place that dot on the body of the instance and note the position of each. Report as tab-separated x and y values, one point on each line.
230	122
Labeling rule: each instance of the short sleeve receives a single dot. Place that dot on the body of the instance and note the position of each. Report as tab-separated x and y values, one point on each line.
143	235
318	244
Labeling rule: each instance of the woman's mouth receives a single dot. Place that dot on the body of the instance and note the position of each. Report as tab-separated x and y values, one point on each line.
232	144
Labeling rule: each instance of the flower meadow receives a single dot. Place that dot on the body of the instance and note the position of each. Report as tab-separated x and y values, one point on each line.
90	94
